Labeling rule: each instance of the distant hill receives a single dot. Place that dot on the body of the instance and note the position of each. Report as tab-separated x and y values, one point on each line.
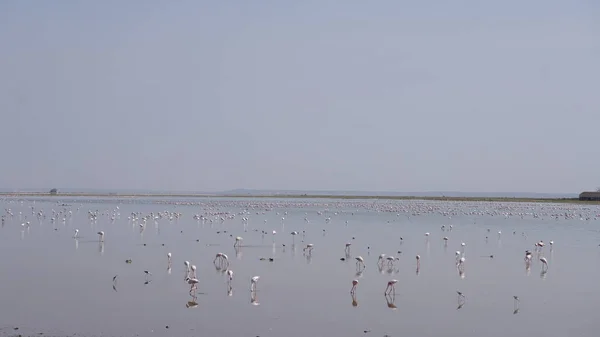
412	194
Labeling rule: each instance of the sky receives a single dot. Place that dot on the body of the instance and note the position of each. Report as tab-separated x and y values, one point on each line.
470	96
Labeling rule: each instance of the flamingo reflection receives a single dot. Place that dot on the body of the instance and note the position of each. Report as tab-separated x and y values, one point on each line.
354	301
461	300
390	298
193	303
253	298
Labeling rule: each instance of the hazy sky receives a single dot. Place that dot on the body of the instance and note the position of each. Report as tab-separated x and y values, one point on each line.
316	95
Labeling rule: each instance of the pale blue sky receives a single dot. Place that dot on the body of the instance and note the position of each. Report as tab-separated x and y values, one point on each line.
316	95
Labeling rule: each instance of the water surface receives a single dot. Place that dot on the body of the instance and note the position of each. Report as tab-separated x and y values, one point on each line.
55	284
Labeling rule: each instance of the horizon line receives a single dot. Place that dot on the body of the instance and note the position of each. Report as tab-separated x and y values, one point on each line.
249	190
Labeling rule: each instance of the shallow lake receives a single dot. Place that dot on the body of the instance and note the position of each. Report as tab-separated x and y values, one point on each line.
55	284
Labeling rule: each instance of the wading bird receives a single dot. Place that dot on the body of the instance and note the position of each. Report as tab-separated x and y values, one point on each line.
544	263
253	282
391	287
360	262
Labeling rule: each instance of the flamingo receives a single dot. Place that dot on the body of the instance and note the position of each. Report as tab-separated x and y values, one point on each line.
390	259
253	282
544	263
380	259
461	263
238	241
359	262
354	284
418	261
187	268
230	275
348	244
309	247
193	282
391	287
101	234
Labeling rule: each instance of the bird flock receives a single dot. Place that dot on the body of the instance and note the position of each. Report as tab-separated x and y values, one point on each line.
253	213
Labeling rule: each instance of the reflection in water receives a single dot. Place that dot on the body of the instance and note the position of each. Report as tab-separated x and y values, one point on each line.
461	300
391	301
238	252
229	290
359	273
293	249
354	301
193	303
516	305
461	273
543	274
308	258
76	244
101	247
253	298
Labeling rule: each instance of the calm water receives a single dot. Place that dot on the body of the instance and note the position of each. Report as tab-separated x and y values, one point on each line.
55	284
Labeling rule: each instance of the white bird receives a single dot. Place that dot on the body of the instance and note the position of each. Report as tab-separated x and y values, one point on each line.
230	275
101	233
253	282
238	241
76	233
309	247
193	269
528	256
544	263
461	263
354	284
418	261
391	287
169	258
219	257
360	262
390	259
193	282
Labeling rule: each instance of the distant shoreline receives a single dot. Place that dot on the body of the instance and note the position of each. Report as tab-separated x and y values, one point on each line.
296	196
